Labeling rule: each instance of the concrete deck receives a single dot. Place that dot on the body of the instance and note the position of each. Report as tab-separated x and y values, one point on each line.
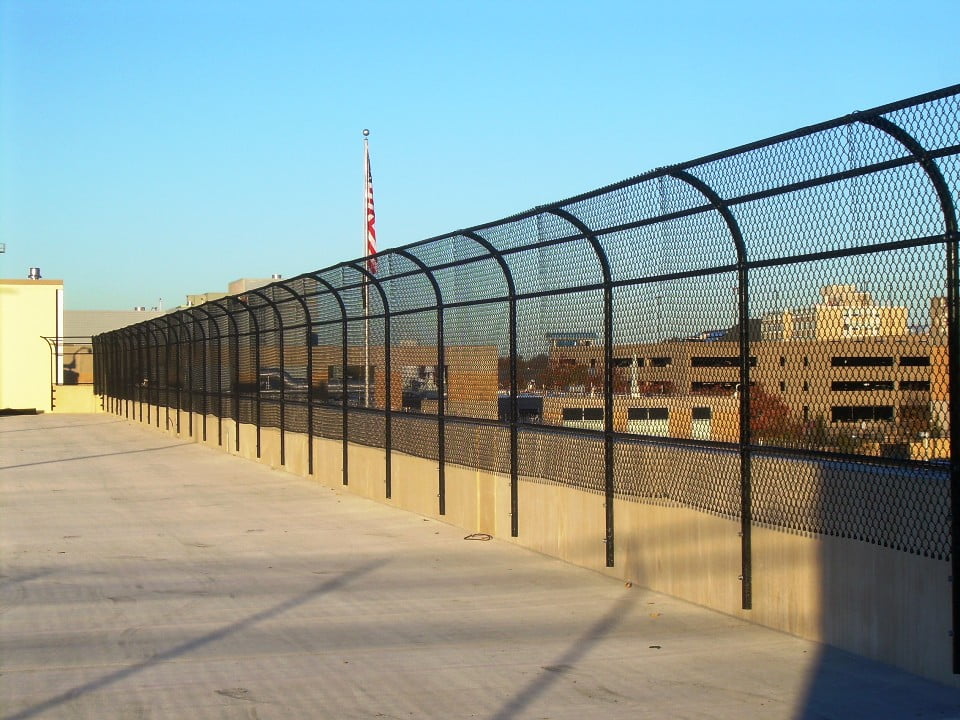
142	577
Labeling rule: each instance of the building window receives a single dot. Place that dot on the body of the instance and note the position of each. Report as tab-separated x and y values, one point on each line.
783	361
860	361
849	386
584	418
700	428
921	385
783	386
915	361
572	414
661	362
861	413
648	413
648	421
726	361
713	388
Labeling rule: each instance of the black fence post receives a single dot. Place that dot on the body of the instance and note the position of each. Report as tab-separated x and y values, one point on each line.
281	366
514	389
441	380
158	378
608	479
343	395
308	343
125	372
945	200
208	371
188	338
234	350
371	278
743	338
198	323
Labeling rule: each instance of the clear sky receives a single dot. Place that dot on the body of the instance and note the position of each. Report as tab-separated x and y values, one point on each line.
155	148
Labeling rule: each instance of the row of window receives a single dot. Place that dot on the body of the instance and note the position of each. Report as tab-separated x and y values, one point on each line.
634	413
577	414
838	414
842	385
734	361
625	362
879	361
861	413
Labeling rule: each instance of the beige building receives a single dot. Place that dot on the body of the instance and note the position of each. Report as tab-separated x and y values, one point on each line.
201	298
883	391
844	313
243	285
31	318
46	355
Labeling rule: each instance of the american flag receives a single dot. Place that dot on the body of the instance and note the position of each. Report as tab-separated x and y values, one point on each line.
371	245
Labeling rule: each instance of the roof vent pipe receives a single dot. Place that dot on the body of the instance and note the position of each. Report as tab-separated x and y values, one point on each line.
34	274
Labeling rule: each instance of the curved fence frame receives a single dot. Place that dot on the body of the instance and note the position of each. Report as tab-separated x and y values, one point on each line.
416	286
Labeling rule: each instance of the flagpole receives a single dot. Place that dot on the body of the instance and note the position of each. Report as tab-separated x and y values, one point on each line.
366	283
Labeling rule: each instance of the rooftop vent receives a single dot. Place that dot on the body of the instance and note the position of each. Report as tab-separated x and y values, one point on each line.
34	274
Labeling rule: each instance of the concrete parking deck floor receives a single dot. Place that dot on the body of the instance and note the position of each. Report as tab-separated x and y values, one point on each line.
143	577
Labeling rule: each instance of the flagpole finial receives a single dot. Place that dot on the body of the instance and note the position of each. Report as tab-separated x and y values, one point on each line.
366	133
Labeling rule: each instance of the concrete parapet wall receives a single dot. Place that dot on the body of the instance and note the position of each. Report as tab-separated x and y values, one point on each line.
367	474
328	461
882	603
75	399
415	485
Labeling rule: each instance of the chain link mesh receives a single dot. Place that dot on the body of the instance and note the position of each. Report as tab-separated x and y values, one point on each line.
776	317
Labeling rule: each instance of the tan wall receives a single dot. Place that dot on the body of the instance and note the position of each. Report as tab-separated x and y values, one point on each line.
940	387
77	363
884	604
29	311
75	399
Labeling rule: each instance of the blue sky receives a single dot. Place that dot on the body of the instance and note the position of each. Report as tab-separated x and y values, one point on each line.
154	149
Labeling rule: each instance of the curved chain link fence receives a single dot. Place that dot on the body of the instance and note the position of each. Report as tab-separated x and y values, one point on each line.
768	333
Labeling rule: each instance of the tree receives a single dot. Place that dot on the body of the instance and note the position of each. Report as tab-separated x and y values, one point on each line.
562	374
769	416
528	370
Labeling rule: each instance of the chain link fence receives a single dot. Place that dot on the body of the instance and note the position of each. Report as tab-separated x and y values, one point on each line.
768	334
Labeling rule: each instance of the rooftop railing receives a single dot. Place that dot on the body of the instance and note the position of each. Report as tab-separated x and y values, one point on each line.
671	338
